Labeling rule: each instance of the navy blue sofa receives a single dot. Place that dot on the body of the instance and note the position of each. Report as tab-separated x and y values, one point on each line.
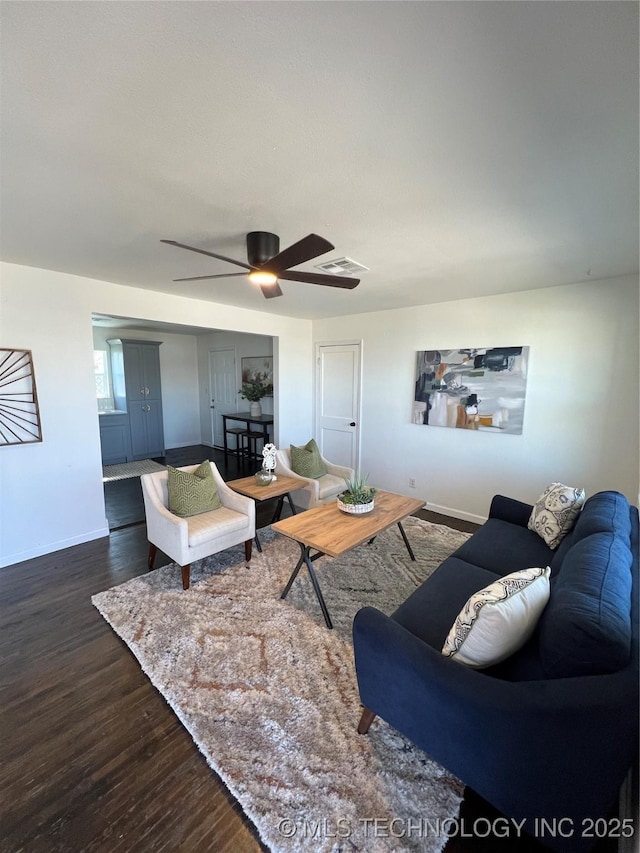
550	733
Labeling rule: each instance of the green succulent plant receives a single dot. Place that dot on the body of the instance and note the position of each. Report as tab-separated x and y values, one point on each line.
357	491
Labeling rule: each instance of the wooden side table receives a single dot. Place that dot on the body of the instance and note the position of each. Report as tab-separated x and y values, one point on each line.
279	488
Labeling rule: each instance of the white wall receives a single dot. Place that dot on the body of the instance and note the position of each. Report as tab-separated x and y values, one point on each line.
581	411
581	419
179	378
244	346
51	493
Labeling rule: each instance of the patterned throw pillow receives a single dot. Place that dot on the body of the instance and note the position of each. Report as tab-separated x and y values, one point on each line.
555	512
306	461
499	619
191	494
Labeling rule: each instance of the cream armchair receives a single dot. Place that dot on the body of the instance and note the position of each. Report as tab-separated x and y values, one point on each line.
314	492
188	539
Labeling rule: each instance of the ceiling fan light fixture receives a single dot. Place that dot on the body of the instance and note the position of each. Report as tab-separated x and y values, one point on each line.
267	264
262	277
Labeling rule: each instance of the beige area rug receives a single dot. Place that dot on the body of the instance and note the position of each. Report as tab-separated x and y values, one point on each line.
269	694
130	469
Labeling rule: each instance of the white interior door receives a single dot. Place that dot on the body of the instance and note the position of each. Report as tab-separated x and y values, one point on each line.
338	403
224	392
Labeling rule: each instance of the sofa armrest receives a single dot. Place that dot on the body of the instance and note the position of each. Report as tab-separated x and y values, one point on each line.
236	501
509	509
338	470
532	748
168	531
230	498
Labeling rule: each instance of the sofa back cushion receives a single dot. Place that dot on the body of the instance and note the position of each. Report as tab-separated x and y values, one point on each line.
586	627
604	512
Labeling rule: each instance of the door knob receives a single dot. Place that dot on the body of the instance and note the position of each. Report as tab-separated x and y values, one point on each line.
353	423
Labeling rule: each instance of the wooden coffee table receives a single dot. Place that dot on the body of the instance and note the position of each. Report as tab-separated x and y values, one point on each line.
279	488
331	532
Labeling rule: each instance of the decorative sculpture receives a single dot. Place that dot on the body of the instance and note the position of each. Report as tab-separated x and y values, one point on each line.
269	459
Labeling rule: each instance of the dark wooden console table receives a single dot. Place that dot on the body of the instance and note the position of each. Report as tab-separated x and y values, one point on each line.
263	421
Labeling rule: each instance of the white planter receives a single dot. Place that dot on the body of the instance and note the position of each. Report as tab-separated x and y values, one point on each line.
255	409
355	509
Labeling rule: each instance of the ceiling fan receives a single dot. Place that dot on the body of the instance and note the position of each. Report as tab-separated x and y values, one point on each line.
266	263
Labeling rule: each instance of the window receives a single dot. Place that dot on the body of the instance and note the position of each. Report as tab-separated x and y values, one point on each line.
101	373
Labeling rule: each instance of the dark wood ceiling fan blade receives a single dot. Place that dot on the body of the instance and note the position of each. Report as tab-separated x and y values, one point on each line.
319	278
304	250
270	290
203	277
208	254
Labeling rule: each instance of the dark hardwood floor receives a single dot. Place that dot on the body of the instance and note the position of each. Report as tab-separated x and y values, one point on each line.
92	758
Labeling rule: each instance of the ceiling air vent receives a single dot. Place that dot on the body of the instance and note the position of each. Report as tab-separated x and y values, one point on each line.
341	266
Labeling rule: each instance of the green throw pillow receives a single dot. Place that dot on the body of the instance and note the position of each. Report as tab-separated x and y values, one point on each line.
191	494
306	461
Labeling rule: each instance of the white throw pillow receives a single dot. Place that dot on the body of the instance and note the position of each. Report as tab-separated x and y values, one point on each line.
499	619
555	512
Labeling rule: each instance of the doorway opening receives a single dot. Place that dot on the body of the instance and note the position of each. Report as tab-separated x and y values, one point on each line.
190	434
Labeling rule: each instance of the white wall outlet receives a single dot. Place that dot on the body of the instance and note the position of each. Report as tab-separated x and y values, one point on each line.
412	482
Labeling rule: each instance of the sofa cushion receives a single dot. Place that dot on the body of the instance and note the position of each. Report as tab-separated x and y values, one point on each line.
208	526
503	548
604	512
306	461
430	610
522	665
191	494
498	620
601	513
586	627
555	512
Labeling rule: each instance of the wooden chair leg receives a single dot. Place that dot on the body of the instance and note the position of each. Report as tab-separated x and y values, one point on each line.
186	576
247	549
152	555
365	721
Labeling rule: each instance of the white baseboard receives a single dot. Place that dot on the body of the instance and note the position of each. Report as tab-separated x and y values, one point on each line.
50	547
456	513
176	445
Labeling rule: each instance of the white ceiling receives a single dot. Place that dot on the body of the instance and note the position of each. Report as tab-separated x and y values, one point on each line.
456	149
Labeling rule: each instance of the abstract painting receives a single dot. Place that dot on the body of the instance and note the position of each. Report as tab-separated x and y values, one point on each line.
474	389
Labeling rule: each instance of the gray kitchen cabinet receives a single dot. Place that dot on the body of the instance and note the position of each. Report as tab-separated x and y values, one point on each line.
115	438
147	435
135	370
